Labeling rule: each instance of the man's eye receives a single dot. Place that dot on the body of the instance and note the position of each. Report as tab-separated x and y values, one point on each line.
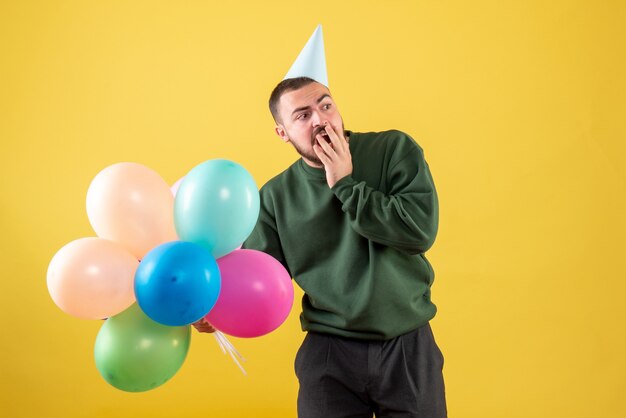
326	106
302	116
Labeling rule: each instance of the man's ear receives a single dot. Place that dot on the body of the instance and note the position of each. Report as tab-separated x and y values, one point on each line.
281	132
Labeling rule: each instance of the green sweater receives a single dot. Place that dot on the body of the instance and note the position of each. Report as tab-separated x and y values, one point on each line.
357	250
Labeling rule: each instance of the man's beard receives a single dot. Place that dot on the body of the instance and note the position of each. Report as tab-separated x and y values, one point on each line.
312	157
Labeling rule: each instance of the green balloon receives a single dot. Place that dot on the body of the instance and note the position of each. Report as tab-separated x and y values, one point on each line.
135	354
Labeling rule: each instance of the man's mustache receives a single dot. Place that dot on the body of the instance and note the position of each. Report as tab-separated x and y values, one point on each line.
318	130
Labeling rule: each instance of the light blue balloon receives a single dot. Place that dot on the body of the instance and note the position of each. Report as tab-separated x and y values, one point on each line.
216	206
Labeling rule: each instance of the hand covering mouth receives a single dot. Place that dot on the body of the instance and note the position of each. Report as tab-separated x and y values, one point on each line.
321	131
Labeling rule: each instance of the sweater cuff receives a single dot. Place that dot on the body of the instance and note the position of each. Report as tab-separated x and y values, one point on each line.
343	188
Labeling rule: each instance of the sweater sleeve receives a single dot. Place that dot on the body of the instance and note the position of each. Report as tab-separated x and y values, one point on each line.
407	217
264	237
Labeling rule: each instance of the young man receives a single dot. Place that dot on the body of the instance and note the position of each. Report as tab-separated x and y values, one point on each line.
351	221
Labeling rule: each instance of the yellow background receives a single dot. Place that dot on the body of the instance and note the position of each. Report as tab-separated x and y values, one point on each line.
519	105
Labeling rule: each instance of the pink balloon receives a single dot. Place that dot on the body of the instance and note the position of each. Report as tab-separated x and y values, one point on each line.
92	278
132	205
256	295
175	186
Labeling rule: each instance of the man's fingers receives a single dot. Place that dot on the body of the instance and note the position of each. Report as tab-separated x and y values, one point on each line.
321	154
325	145
202	325
338	142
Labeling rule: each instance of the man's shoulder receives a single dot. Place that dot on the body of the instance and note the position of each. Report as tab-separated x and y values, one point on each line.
279	181
393	135
392	139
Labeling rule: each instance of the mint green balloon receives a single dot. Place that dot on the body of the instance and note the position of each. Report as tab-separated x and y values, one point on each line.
135	354
216	206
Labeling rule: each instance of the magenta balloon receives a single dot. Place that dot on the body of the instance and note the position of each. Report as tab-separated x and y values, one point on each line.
256	295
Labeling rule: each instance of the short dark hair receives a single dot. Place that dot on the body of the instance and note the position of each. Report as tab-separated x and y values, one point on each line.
283	87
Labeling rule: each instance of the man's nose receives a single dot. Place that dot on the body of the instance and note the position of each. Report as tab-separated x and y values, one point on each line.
317	119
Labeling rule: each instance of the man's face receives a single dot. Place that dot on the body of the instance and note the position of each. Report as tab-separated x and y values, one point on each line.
303	114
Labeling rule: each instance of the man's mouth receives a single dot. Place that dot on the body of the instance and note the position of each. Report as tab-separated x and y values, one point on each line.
323	133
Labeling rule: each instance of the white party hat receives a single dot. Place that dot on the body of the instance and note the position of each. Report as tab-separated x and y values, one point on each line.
311	62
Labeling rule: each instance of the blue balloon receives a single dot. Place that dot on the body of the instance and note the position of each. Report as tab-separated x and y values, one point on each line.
216	206
177	283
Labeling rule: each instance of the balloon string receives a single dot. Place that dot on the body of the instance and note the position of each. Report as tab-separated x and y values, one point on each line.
237	363
219	342
231	347
232	351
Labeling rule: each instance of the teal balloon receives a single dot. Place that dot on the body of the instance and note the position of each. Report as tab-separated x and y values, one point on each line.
216	206
135	354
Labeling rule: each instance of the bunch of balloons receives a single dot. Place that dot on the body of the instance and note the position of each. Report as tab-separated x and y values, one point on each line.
164	258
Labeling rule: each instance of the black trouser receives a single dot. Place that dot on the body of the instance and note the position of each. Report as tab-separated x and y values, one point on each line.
342	377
